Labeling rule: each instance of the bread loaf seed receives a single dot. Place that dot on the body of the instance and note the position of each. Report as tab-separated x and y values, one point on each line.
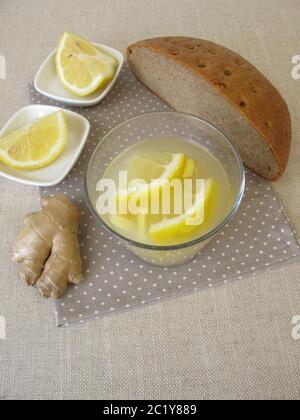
207	80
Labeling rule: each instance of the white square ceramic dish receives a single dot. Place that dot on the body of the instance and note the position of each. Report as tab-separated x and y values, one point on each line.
53	174
48	84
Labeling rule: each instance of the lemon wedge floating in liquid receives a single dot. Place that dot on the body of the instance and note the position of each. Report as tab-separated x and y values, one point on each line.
189	169
81	67
155	171
172	229
36	144
151	166
122	222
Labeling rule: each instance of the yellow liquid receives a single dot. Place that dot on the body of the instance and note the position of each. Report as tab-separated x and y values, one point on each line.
137	227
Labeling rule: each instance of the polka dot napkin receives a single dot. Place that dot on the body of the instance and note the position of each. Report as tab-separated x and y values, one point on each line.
257	238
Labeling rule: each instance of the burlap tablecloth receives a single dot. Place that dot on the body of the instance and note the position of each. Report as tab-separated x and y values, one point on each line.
233	342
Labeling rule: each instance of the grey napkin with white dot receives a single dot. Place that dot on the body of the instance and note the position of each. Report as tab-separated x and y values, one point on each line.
259	237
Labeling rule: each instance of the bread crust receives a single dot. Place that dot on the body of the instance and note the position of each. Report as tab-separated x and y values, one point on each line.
233	77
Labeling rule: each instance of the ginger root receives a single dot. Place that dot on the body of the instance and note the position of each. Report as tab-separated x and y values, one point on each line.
47	248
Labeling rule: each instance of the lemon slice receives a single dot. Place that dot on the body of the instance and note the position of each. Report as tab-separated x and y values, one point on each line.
128	224
81	67
171	230
35	145
150	174
122	223
156	166
151	177
189	169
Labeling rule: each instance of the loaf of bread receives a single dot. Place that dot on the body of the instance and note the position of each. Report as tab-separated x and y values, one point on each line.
207	80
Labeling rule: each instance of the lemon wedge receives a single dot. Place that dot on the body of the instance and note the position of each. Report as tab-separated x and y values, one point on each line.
155	172
128	224
156	166
36	144
81	67
173	229
122	223
189	169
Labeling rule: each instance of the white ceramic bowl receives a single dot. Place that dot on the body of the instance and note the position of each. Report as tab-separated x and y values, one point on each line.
48	84
53	174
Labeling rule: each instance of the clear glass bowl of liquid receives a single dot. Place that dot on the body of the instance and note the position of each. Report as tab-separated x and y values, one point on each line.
167	134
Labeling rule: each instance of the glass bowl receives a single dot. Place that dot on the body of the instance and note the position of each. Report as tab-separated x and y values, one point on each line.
166	124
